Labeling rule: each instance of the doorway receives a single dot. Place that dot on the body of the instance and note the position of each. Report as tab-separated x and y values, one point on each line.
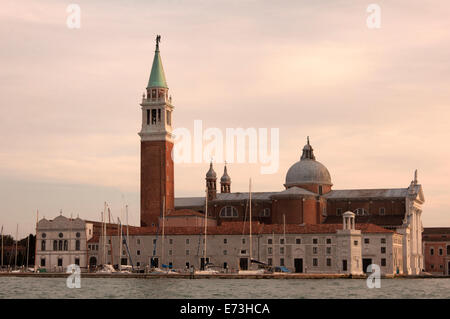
202	262
366	262
298	265
344	265
154	262
243	264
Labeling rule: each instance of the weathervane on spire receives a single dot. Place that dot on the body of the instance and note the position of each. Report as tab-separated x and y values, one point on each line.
158	39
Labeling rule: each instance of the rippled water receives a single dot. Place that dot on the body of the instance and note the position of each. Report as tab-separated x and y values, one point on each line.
16	287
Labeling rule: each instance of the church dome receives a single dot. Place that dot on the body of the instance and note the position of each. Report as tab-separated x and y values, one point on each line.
308	170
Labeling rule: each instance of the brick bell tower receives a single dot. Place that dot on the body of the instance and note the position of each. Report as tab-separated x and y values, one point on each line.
157	170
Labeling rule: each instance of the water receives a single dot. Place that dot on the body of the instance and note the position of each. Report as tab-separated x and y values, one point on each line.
16	287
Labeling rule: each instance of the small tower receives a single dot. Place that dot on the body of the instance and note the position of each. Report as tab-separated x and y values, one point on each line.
157	169
211	178
348	222
225	181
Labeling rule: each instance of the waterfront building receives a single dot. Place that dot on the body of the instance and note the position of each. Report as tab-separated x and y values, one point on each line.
386	223
436	249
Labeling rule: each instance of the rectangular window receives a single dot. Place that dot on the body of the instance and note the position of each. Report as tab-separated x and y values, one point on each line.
269	250
148	117
281	241
243	251
138	252
154	241
383	262
138	241
224	252
366	241
281	250
170	241
383	240
187	241
138	264
383	250
281	261
159	115
355	243
328	250
315	262
77	261
431	251
170	252
269	261
339	211
315	250
328	241
328	262
153	116
225	241
441	251
298	241
315	240
169	120
243	240
269	241
60	262
187	252
382	211
42	262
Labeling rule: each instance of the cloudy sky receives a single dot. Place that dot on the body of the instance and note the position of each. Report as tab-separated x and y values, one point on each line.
375	102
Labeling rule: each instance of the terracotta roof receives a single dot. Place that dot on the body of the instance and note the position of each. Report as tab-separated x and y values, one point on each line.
241	228
436	230
185	212
381	220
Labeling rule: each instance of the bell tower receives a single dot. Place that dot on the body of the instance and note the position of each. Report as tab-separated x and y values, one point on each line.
157	169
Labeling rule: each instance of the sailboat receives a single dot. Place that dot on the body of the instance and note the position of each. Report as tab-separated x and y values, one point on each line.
105	268
250	271
208	270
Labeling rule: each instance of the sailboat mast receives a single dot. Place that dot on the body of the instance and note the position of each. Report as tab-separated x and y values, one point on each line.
250	203
119	235
2	249
28	248
17	241
128	239
35	241
110	238
206	226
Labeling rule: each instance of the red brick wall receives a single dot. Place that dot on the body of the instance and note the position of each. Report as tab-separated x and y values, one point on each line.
157	180
436	260
392	207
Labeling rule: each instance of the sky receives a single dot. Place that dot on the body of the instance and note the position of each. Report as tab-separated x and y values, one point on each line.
375	102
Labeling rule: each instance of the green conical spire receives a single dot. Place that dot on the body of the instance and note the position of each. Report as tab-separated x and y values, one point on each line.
157	77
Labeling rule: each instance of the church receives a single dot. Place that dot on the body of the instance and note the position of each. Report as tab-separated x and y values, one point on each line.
309	226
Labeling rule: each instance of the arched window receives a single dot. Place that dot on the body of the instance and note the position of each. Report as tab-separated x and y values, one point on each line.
55	245
43	245
77	245
78	235
66	246
229	211
265	212
60	245
361	212
448	251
